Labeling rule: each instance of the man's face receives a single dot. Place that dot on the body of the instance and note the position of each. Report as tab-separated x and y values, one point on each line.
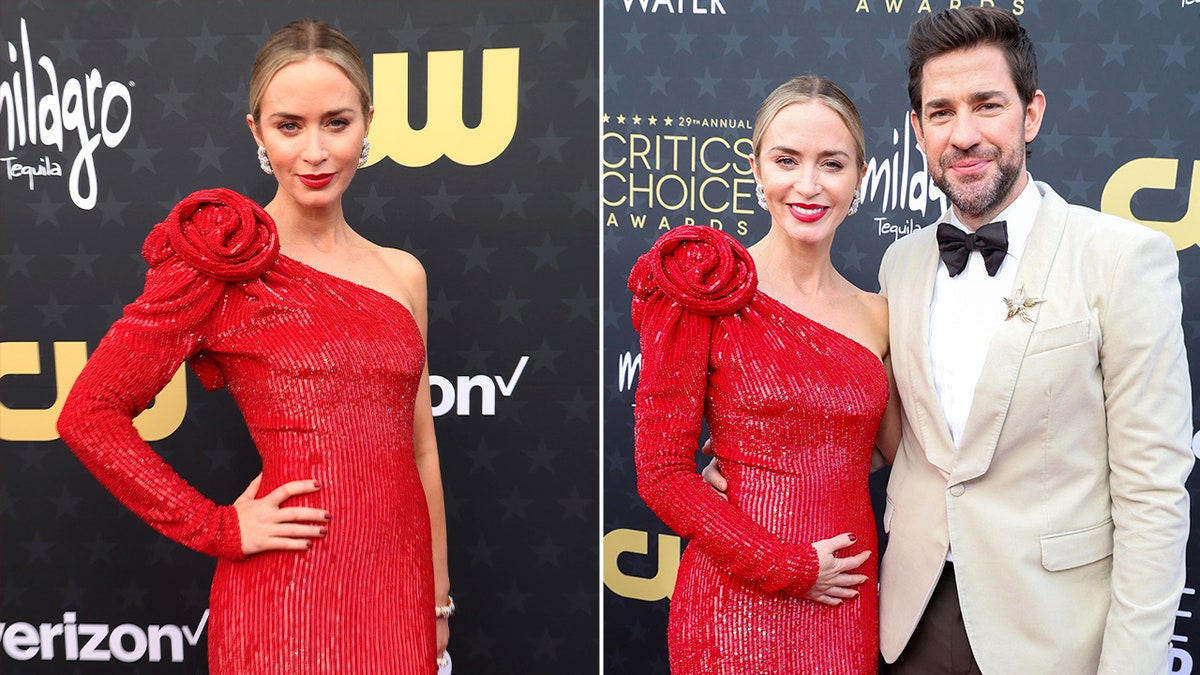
973	129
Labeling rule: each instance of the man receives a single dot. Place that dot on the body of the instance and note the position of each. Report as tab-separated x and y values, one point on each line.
1036	509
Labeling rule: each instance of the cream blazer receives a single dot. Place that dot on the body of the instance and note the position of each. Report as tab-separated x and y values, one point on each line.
1065	505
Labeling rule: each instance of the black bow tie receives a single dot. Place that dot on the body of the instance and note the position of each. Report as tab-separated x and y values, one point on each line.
991	241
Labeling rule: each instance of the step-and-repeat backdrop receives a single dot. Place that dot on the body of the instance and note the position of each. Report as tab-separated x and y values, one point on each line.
682	81
110	112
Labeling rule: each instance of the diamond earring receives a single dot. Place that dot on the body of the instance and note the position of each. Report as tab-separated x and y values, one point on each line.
762	197
362	159
264	162
855	203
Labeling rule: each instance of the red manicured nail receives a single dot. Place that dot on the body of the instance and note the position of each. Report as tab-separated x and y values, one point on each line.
853	538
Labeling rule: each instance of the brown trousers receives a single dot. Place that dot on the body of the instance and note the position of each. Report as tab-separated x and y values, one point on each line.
939	645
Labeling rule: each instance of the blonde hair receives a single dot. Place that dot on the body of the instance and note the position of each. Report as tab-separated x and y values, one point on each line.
809	89
298	41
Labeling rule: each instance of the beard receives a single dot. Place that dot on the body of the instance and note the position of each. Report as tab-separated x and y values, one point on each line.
980	196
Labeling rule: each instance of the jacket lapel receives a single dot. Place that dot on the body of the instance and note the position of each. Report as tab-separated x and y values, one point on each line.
1006	352
911	320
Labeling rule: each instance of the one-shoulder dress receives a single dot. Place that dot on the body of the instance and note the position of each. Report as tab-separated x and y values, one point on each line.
325	372
793	408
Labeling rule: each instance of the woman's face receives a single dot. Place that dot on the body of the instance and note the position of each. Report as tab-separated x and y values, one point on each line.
311	122
807	167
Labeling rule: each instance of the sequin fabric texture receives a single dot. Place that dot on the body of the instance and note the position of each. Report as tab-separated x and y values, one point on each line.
325	372
792	407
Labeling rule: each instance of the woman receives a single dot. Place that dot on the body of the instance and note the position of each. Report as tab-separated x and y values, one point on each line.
786	361
334	558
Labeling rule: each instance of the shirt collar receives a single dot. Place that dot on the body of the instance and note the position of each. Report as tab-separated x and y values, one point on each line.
1019	217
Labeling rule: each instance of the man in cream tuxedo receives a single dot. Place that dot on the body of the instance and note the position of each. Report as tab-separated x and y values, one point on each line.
1036	510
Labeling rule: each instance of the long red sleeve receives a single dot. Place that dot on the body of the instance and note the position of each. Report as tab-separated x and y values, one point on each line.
210	240
692	278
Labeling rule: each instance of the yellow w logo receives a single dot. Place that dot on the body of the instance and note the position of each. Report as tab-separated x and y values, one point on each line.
444	132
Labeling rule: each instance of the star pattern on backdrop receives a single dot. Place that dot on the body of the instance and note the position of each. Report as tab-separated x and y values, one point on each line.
510	252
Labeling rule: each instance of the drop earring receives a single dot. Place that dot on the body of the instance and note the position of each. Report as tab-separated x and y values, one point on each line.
762	197
264	162
855	203
362	158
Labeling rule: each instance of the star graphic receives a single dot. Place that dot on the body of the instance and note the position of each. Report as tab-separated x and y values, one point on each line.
372	204
477	255
542	457
757	85
550	145
135	46
142	156
1055	50
210	154
612	81
481	552
46	210
1140	99
515	505
475	359
205	44
52	312
861	88
68	48
480	34
442	202
658	81
407	38
585	199
1052	141
1176	52
575	506
554	31
441	308
510	307
546	645
512	201
683	40
548	553
1105	143
733	40
239	99
1165	147
16	263
708	83
81	261
784	42
837	43
111	210
893	46
173	101
1115	50
1080	97
482	456
546	254
633	38
586	86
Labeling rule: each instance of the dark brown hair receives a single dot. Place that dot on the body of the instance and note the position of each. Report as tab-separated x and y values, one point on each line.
965	28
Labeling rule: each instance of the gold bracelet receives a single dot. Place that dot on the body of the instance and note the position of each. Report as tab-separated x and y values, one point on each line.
444	611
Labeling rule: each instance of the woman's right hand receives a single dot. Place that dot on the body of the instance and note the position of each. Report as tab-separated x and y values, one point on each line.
836	577
267	525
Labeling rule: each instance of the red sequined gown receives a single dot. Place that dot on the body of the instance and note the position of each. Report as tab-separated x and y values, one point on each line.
325	372
793	408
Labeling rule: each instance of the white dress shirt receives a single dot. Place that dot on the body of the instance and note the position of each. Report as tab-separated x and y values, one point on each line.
966	310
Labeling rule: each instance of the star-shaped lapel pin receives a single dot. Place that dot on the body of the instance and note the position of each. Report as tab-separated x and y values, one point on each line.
1019	304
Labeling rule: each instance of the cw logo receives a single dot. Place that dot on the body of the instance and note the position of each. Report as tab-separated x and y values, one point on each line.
444	132
1154	173
621	541
38	424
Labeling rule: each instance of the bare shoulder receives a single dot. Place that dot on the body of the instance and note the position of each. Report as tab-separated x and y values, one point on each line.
403	264
874	311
